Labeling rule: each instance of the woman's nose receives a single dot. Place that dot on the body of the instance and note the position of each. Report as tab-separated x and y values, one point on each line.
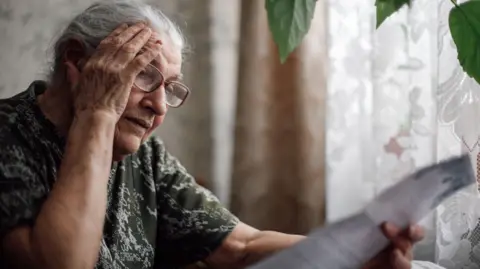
156	101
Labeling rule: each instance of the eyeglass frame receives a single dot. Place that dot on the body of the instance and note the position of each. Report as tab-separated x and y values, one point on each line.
163	82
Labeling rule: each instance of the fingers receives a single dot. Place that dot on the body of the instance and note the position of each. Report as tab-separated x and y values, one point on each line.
400	253
402	241
142	60
389	230
131	48
152	42
416	233
122	36
400	261
118	30
112	43
102	48
394	234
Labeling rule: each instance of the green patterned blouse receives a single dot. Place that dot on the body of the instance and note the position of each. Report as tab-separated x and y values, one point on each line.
157	216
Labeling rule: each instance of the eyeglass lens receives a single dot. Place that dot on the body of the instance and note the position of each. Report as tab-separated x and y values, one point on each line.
150	79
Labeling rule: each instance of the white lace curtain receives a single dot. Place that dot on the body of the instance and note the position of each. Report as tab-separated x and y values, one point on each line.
398	100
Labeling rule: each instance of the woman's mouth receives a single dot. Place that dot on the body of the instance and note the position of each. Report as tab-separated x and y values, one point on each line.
142	123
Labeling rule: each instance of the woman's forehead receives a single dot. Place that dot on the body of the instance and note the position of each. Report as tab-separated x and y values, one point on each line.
170	59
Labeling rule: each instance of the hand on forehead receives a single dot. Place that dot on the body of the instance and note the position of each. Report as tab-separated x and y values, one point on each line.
168	62
155	39
159	61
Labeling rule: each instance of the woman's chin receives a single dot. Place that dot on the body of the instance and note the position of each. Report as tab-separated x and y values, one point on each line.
125	144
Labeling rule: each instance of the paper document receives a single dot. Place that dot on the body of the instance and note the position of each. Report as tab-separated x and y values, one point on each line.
350	243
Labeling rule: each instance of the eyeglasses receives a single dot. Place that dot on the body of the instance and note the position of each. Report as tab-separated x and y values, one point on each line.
151	79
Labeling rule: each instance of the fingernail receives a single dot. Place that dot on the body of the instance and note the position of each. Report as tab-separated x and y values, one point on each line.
158	42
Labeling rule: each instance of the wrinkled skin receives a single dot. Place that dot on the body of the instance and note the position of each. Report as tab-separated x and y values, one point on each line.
112	74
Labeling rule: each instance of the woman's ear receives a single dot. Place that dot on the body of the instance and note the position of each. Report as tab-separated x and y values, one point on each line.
73	74
74	52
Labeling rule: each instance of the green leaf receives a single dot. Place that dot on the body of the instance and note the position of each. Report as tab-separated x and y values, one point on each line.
385	8
464	21
289	21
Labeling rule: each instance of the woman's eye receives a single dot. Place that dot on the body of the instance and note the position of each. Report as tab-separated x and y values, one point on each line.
168	88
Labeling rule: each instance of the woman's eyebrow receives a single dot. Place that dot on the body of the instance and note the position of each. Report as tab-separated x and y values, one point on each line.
177	77
157	64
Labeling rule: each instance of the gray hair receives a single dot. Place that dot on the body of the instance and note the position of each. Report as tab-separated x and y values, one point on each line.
96	22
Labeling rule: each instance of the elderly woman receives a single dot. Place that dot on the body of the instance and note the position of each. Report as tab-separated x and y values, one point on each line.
83	185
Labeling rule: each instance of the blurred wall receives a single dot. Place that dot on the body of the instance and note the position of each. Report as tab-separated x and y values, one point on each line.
199	133
278	173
